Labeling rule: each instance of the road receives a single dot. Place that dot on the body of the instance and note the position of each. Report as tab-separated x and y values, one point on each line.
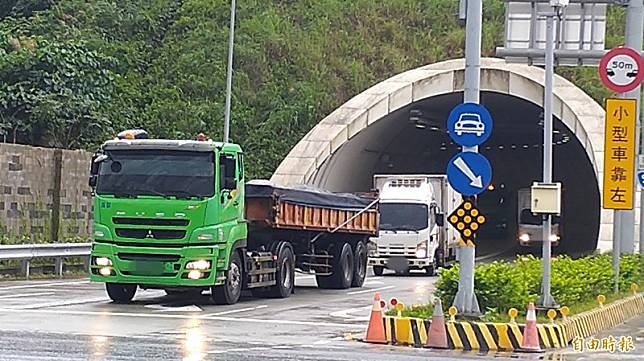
74	320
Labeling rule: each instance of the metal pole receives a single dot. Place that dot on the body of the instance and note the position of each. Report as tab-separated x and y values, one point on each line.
546	300
229	74
465	300
617	223
633	35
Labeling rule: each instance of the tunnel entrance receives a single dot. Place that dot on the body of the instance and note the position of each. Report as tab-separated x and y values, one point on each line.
414	140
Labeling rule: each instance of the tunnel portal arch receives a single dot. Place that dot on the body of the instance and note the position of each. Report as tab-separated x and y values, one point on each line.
336	154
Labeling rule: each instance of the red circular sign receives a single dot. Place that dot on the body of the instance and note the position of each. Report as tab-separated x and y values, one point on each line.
621	69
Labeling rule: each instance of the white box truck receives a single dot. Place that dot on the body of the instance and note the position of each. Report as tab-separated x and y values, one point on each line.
413	233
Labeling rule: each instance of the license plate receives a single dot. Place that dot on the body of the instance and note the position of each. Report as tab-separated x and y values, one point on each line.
399	264
149	268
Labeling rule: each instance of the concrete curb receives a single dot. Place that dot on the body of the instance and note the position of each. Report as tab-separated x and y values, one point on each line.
480	336
603	318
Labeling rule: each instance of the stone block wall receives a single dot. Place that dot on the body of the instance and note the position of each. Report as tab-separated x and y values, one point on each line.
44	196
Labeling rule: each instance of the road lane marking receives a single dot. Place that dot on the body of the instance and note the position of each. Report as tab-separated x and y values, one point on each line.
179	317
43	284
188	308
371	290
62	303
18	295
236	311
345	314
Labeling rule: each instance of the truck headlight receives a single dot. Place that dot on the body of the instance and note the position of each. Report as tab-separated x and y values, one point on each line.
554	238
200	265
205	236
103	261
421	253
524	237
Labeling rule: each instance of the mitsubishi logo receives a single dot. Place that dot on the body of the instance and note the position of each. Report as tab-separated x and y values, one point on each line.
149	235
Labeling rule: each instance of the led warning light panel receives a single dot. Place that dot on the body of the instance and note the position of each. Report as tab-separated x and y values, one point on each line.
467	219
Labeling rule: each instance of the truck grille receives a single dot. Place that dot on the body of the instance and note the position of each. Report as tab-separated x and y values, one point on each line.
396	250
148	257
151	221
150	233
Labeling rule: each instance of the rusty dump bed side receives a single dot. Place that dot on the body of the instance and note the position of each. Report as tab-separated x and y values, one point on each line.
309	209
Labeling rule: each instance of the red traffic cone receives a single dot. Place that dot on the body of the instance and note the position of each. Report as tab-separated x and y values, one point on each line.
437	335
530	341
376	327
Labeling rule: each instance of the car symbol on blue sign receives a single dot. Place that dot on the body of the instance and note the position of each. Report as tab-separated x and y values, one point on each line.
469	173
469	124
640	178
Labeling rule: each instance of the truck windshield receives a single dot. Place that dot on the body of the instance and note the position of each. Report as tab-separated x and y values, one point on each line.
157	172
403	216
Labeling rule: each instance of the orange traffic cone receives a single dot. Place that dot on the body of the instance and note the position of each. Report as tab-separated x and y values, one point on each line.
376	327
530	341
437	335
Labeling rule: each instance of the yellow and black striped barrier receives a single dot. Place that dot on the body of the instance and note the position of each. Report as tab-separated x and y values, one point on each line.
471	335
605	317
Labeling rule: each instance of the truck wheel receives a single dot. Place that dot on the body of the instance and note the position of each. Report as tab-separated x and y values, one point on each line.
120	292
359	264
430	270
230	291
378	270
342	269
285	275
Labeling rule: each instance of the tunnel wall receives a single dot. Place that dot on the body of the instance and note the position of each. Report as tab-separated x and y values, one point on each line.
312	159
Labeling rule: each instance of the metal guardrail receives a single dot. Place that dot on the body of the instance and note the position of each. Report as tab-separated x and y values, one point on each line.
28	252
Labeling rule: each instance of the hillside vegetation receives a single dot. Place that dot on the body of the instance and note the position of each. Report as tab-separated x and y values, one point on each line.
73	72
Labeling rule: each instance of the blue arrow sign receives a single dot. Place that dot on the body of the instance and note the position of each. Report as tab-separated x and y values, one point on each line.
469	124
640	178
469	173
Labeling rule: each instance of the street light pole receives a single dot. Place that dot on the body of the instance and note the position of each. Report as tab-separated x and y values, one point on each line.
229	74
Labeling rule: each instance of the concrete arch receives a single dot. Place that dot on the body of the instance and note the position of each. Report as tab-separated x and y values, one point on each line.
309	161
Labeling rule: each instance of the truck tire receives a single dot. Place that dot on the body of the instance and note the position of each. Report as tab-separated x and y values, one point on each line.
120	292
230	292
359	264
378	270
342	268
285	274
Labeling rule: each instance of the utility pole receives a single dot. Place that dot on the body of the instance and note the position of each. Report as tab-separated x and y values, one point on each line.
546	300
229	74
465	300
633	35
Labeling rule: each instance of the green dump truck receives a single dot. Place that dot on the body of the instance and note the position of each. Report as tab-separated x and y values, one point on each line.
177	215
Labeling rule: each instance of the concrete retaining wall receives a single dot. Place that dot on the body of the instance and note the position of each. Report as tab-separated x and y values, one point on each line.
44	194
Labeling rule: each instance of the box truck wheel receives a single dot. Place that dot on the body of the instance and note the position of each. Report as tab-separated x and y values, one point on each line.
120	292
378	270
285	274
359	264
342	268
230	291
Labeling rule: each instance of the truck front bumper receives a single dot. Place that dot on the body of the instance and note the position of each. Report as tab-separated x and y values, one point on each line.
413	263
155	266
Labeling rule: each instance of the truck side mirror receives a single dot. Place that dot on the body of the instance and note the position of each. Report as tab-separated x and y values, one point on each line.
93	169
92	181
440	219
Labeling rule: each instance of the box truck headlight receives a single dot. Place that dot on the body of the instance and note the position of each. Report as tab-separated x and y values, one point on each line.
554	238
421	249
200	265
524	237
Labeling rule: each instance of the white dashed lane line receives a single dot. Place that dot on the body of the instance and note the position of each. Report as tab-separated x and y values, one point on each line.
36	285
371	290
19	295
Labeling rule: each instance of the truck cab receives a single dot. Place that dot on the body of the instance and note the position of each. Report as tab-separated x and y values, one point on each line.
412	230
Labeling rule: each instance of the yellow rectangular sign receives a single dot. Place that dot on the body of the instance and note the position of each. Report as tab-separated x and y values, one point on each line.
619	153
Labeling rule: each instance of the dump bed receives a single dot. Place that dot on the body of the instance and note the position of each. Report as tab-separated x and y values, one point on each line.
300	208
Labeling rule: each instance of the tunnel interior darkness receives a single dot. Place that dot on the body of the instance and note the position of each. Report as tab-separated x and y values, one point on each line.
397	145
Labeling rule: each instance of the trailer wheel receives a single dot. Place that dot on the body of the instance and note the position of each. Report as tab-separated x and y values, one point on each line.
285	275
230	291
378	270
342	269
359	264
120	292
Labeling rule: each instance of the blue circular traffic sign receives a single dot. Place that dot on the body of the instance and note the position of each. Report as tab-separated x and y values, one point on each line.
469	124
469	173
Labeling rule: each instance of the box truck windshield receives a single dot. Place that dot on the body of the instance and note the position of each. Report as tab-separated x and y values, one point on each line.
403	216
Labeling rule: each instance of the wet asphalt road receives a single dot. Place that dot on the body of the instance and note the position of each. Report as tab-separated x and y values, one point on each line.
74	320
